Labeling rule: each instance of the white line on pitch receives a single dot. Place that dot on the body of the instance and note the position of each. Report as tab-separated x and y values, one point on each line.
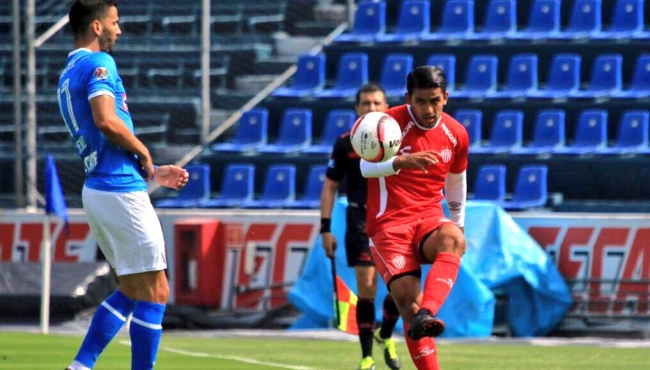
232	358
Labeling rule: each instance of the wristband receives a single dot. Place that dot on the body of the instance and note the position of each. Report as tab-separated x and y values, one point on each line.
325	225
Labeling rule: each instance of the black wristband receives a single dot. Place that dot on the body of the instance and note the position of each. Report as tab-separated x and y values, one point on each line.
325	225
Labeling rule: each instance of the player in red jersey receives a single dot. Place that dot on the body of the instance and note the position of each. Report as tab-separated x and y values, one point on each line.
405	221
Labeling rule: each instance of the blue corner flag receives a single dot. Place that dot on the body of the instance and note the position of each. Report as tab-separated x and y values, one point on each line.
54	200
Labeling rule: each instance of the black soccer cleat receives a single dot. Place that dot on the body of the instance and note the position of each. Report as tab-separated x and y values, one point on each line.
425	325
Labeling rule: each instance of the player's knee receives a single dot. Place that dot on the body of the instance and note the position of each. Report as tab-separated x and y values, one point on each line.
451	240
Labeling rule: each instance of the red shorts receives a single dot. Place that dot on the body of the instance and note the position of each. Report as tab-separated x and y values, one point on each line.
396	249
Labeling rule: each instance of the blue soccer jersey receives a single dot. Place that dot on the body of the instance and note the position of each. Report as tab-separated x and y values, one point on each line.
87	75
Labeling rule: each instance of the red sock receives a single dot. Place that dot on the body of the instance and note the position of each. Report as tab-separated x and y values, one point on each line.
423	352
440	280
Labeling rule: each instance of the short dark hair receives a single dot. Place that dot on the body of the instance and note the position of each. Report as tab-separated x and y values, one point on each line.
426	77
368	88
84	12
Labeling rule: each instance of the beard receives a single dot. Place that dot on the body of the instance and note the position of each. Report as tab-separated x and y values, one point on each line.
106	42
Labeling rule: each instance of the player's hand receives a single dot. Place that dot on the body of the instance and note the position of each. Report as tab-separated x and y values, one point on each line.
416	161
147	166
171	176
329	244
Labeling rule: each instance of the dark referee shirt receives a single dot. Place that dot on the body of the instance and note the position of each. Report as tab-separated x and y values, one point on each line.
345	163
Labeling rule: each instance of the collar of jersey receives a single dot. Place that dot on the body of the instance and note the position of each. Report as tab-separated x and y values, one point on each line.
419	125
75	51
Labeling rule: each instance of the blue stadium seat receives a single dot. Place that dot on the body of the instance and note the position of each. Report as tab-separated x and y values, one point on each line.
531	189
279	188
251	132
490	183
585	20
500	20
606	77
369	22
295	132
194	193
413	22
640	86
338	122
313	188
563	78
446	62
591	133
481	77
544	20
352	73
393	74
472	120
626	21
457	21
548	135
632	134
507	132
309	78
522	77
237	187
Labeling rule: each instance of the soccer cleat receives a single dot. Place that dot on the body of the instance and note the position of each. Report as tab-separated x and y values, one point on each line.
367	363
425	325
390	351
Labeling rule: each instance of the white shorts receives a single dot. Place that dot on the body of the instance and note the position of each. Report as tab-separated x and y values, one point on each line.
127	229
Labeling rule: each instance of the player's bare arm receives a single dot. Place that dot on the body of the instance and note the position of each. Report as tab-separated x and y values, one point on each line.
416	161
327	198
171	176
111	125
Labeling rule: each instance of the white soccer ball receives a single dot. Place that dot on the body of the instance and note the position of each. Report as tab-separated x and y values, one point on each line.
376	137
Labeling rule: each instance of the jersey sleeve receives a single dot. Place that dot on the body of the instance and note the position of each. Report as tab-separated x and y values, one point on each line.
460	164
337	166
102	76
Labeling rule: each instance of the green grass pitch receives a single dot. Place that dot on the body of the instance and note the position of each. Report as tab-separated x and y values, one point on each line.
188	352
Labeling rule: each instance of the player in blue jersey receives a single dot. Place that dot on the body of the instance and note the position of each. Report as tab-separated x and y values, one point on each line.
93	105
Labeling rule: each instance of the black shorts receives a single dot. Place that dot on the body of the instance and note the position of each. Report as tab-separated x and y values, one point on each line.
357	247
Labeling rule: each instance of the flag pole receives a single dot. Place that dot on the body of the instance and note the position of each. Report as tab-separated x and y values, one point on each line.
45	286
336	293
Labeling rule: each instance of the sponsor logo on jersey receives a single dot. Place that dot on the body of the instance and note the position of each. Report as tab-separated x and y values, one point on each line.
399	262
101	73
407	129
445	154
449	134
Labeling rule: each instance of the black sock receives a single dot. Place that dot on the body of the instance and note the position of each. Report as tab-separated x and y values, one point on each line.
366	324
391	315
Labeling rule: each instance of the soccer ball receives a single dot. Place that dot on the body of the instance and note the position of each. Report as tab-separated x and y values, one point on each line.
376	137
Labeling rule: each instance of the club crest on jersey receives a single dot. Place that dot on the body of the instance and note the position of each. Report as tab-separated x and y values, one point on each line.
399	262
445	154
101	73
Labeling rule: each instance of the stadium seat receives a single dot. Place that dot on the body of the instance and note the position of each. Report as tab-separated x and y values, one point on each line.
338	122
237	187
563	78
640	86
591	133
194	193
309	78
279	188
413	22
548	135
500	20
626	21
393	74
530	188
369	22
544	21
352	73
313	188
481	77
632	134
472	120
585	20
522	77
457	22
295	133
490	183
606	77
446	62
251	133
507	133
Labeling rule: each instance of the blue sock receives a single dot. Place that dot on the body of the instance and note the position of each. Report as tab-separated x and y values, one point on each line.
108	319
145	333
